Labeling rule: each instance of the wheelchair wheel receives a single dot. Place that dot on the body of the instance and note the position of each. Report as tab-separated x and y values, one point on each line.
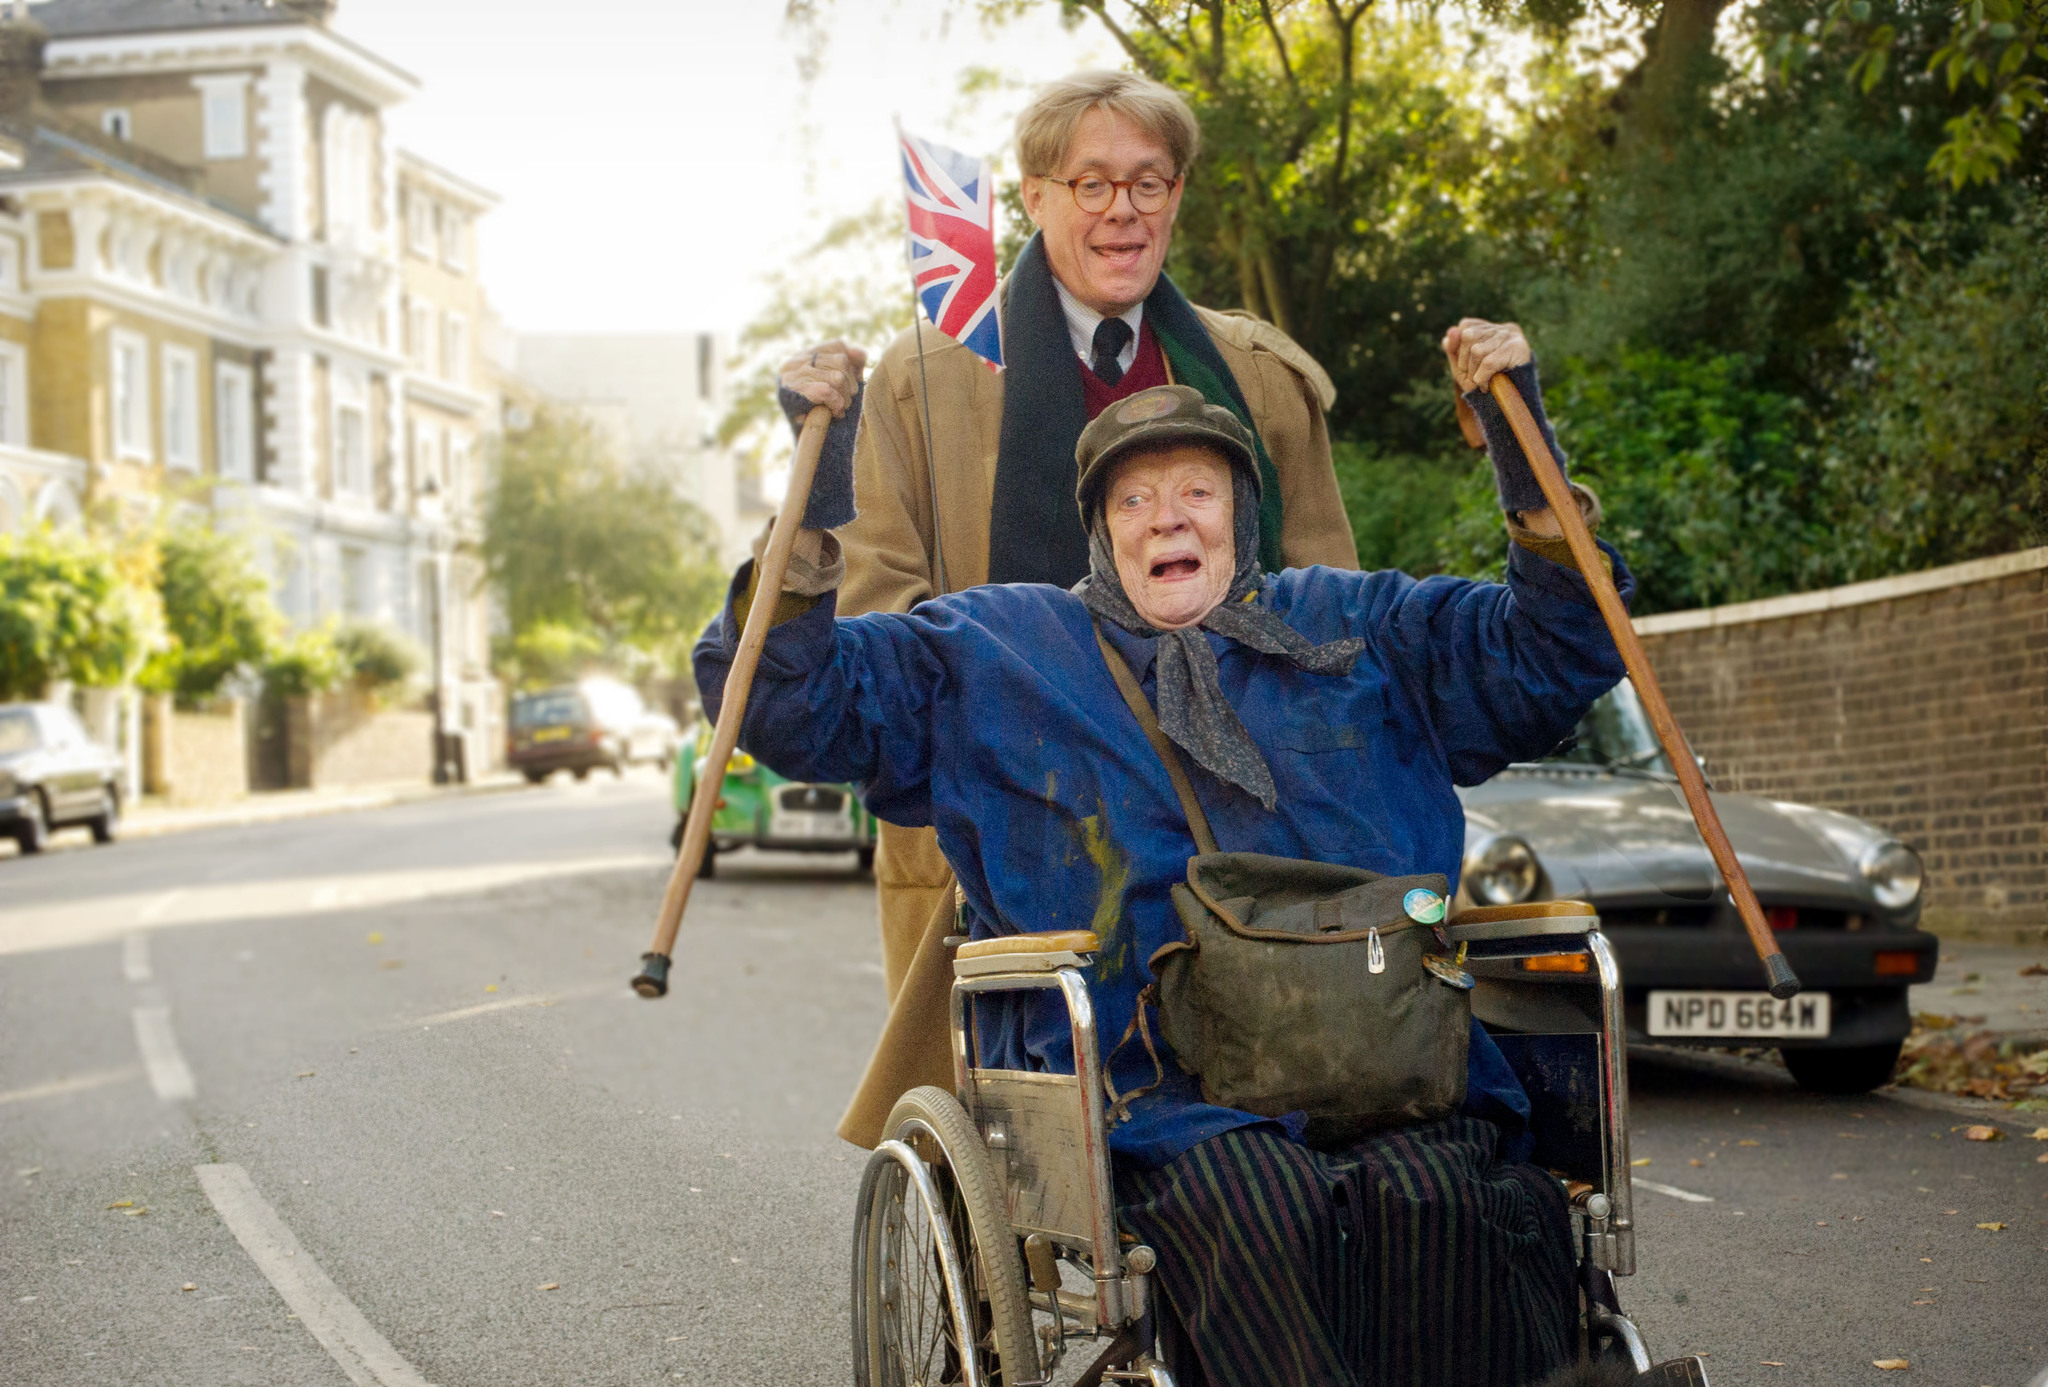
938	1286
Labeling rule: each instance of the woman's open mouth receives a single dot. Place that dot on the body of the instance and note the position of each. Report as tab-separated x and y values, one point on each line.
1170	570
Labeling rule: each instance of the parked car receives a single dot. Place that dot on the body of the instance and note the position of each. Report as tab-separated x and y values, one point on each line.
758	807
52	774
585	726
1602	820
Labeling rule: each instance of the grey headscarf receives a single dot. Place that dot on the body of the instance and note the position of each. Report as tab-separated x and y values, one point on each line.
1193	712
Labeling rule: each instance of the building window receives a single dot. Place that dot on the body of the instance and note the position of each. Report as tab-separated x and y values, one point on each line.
459	480
351	451
234	422
345	150
419	335
419	222
10	263
13	396
181	408
455	241
225	116
455	349
355	581
426	476
117	123
707	364
130	395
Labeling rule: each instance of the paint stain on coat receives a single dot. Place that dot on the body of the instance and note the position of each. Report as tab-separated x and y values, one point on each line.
1113	866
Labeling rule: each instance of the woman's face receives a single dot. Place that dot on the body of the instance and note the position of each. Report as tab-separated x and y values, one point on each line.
1170	526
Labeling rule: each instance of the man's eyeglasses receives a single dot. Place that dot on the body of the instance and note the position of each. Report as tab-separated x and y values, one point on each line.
1093	193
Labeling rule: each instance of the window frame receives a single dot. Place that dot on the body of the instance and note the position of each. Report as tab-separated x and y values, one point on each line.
454	348
135	418
223	139
181	449
234	429
119	123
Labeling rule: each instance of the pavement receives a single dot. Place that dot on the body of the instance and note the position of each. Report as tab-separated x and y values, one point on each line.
150	818
1987	987
365	1098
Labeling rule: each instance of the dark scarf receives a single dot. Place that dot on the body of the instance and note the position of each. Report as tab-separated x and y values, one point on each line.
1035	535
1192	709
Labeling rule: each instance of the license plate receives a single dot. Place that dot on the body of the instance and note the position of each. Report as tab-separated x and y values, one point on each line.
1749	1015
551	734
807	826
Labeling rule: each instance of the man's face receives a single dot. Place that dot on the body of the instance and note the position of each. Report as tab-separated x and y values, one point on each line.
1170	527
1108	260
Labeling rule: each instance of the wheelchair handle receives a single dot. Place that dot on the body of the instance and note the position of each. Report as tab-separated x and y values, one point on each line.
652	979
1782	981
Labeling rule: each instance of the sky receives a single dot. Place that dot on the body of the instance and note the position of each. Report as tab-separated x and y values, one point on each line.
657	158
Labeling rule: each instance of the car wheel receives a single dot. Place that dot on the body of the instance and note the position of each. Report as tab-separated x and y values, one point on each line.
708	867
534	777
867	858
106	825
32	830
1851	1069
581	772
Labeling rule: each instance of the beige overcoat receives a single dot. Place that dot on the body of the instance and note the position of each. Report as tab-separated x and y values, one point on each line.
891	567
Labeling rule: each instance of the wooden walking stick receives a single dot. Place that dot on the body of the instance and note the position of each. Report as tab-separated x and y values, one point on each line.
1549	476
652	979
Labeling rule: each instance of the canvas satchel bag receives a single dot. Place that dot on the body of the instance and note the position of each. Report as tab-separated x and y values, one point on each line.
1305	986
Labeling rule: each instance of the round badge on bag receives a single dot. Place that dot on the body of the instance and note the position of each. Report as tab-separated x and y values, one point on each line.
1423	906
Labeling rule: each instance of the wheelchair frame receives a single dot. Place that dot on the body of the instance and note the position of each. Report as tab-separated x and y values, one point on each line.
1043	1140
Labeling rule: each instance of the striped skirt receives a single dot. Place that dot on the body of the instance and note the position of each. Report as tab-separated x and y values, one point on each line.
1412	1259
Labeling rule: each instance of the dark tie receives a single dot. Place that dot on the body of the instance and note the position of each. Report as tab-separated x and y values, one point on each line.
1112	335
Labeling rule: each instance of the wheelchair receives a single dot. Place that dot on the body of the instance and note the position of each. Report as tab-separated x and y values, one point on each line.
985	1237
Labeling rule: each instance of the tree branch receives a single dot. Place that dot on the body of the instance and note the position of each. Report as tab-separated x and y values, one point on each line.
1279	45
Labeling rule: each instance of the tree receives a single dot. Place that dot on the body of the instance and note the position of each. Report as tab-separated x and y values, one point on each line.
574	539
68	612
218	617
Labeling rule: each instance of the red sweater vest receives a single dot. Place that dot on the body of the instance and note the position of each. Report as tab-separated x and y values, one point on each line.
1147	370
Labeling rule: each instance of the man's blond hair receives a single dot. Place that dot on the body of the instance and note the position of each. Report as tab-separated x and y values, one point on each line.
1045	131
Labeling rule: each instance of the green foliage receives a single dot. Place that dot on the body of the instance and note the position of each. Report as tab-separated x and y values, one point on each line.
67	611
378	658
218	617
1399	504
306	664
548	653
574	539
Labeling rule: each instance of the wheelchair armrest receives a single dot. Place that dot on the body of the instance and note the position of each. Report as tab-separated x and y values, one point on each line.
1025	953
1531	918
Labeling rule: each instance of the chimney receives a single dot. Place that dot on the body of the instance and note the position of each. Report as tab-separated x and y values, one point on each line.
21	62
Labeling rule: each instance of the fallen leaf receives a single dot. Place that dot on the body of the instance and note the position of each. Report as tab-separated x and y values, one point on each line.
2041	1159
1923	1302
122	1204
376	939
1992	1227
1747	1142
306	1073
497	1213
1838	1175
490	987
1926	1259
550	1286
136	1213
1640	1160
1981	1133
2040	1134
1695	1161
1951	1211
189	1286
1820	1223
1770	1363
2034	970
390	963
1891	1365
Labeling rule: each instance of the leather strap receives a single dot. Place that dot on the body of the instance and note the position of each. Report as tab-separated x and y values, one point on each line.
1127	685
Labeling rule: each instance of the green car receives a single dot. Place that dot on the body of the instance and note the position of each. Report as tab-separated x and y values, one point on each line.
761	809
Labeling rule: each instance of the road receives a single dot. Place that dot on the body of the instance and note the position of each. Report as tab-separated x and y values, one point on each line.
394	1053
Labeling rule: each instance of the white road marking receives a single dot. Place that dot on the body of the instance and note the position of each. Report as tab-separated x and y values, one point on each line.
56	1088
362	1353
135	957
168	1074
101	919
1674	1191
502	1004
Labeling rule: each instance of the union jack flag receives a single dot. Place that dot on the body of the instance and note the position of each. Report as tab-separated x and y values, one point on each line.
953	243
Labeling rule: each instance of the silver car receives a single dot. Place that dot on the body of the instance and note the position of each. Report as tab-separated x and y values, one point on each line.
1601	819
53	773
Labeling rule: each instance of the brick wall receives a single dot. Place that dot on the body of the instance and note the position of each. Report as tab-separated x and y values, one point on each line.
195	757
344	738
1918	703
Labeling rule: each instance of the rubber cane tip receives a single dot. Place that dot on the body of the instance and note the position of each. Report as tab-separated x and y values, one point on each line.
652	979
1784	982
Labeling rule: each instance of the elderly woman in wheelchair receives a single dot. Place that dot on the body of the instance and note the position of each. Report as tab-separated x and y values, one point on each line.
1223	1094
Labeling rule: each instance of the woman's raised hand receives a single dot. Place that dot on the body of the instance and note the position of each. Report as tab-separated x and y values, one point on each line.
1479	350
828	375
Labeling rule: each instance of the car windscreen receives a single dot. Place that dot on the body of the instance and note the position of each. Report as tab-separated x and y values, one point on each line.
1616	732
548	710
18	731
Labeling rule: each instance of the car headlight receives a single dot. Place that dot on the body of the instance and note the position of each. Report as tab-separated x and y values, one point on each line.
1502	870
1894	873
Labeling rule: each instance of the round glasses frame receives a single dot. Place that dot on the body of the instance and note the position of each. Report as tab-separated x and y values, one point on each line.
1144	200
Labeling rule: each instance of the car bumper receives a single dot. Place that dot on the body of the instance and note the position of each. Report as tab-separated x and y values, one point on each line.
578	758
13	809
1867	1008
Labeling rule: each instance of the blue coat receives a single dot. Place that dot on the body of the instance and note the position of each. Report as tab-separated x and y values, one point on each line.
990	714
